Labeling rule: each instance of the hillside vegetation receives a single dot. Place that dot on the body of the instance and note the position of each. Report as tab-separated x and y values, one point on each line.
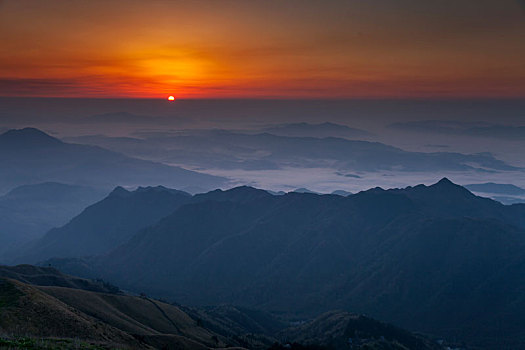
46	316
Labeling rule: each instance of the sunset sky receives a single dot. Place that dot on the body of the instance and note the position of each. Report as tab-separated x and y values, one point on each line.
282	49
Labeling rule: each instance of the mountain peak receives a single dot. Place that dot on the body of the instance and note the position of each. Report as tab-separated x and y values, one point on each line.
28	137
246	191
447	187
445	182
160	189
237	194
119	191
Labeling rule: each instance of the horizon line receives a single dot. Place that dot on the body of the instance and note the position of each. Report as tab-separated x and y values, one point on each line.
251	98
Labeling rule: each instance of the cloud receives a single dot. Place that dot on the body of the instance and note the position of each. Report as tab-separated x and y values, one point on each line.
21	86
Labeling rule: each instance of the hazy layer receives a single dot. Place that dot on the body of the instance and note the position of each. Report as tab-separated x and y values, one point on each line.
463	126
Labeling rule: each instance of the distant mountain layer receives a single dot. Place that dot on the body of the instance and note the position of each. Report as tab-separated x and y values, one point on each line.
503	189
32	156
504	193
28	212
436	259
342	193
315	130
223	149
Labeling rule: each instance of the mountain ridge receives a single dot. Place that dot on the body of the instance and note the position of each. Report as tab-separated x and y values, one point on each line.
27	212
395	254
108	223
28	138
339	252
32	156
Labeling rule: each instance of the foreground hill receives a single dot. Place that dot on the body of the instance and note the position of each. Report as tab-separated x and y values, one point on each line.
107	319
343	330
46	304
28	212
32	156
26	310
436	259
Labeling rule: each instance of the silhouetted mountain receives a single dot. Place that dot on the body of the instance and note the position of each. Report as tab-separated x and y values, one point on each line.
238	194
446	199
509	200
434	258
27	138
29	211
108	223
31	156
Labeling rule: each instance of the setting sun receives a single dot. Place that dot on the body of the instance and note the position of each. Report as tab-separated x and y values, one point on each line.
171	98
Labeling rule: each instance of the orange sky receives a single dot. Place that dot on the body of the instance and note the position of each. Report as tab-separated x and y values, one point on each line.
249	48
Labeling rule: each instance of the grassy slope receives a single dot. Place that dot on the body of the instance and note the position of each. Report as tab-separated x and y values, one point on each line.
109	320
25	310
33	317
334	329
134	315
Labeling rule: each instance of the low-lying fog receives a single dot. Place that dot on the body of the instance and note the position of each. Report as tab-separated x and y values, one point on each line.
283	145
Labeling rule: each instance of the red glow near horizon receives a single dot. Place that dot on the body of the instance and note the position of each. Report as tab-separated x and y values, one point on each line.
145	49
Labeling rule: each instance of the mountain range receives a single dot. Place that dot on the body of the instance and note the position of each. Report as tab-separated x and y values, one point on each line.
107	224
31	156
28	212
325	129
435	259
504	193
230	149
490	187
